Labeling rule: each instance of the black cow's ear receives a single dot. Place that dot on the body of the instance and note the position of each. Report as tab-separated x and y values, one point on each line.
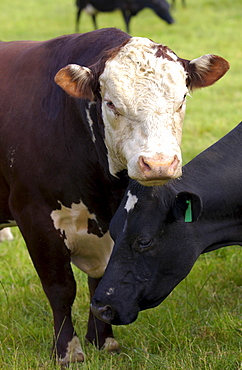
187	206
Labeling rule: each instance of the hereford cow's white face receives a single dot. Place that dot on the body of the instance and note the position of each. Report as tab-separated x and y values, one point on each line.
143	87
143	106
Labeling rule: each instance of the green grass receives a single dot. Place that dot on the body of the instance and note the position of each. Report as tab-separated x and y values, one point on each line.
199	325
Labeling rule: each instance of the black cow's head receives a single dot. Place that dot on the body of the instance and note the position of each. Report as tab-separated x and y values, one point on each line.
146	264
159	232
162	9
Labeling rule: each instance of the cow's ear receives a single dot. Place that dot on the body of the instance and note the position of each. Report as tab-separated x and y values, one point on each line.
205	71
77	81
187	206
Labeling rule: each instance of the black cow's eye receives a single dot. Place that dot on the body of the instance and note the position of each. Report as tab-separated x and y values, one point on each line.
141	245
144	243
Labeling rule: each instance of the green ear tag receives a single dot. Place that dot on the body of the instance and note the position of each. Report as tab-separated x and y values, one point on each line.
188	214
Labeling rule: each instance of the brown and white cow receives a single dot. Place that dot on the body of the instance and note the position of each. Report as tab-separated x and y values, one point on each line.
64	156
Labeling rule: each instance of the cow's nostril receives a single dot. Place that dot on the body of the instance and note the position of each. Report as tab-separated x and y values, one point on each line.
143	164
105	313
173	165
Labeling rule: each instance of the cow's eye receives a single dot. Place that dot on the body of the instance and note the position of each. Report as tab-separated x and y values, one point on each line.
144	243
111	106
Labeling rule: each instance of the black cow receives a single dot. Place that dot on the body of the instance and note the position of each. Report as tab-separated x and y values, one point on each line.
160	232
64	158
129	8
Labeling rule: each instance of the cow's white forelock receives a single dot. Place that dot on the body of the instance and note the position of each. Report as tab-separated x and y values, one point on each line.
147	92
131	201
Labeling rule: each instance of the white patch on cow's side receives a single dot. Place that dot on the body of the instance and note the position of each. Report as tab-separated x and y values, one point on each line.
74	353
148	106
6	234
90	121
89	252
131	201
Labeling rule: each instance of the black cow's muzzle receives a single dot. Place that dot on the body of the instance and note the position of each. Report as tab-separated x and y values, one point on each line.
104	313
111	315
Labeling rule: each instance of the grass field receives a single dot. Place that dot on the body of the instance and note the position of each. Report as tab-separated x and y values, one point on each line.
199	326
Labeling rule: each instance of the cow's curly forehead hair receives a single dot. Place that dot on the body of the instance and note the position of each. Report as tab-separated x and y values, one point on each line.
141	44
145	45
165	52
140	64
140	52
143	59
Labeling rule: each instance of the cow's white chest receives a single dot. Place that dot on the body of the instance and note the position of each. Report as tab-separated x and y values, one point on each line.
89	252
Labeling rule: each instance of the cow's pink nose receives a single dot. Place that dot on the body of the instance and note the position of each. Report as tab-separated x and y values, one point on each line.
158	167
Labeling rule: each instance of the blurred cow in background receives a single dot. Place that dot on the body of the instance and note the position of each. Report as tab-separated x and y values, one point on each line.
129	8
173	3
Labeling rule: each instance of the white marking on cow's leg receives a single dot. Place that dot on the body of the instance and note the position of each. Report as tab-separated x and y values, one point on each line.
111	345
74	353
131	201
6	234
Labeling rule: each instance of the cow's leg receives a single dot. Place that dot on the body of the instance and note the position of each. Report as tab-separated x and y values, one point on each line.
94	20
54	269
51	259
99	333
61	293
127	17
78	15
